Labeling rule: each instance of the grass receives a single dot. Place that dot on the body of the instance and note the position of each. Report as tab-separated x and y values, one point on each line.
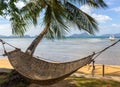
77	82
90	82
3	77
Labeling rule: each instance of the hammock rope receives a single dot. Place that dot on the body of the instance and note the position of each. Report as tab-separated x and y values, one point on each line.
3	44
4	49
96	53
100	52
44	72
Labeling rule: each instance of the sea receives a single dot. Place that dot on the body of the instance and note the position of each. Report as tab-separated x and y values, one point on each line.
69	49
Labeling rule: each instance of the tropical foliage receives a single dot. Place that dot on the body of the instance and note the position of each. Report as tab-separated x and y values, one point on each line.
58	15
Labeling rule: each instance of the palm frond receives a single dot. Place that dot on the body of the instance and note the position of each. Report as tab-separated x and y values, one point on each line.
92	3
58	29
3	8
17	23
31	12
57	14
81	19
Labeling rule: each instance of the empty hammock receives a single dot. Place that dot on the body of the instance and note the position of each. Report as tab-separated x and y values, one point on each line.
44	72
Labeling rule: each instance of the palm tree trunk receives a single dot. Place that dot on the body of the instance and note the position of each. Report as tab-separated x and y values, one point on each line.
30	50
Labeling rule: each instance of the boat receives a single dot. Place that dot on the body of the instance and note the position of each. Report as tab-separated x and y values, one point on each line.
112	38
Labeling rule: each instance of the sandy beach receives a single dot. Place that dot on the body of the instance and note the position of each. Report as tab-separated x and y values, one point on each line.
110	71
4	63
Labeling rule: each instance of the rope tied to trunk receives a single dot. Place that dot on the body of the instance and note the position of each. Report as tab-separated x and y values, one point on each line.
4	49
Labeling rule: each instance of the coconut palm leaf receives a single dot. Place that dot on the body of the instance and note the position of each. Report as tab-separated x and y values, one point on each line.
81	19
92	3
57	14
17	23
3	7
56	17
31	12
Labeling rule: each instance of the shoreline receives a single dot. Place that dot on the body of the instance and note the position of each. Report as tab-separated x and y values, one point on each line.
4	63
108	69
111	72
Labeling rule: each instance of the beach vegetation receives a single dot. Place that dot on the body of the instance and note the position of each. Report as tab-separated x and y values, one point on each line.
69	82
92	82
56	16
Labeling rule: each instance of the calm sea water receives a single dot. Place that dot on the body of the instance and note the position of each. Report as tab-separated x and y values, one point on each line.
70	49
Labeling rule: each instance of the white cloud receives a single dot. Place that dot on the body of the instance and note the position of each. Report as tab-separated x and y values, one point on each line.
109	29
86	9
99	17
20	4
5	29
117	9
116	25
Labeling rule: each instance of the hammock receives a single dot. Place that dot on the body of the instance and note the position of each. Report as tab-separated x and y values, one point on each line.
44	72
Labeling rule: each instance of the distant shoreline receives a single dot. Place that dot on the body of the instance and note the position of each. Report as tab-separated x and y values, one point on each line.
82	35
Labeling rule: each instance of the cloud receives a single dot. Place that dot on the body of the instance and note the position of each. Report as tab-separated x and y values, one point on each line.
86	9
116	25
117	9
20	4
99	17
5	29
108	29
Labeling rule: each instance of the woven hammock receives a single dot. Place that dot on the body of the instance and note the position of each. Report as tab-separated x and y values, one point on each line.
44	72
41	71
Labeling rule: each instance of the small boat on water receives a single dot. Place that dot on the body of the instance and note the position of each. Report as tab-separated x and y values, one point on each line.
112	38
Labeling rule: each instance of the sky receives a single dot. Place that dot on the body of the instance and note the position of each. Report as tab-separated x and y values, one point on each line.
108	20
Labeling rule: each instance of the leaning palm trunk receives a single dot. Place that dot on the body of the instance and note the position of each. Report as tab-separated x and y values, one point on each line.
30	50
43	72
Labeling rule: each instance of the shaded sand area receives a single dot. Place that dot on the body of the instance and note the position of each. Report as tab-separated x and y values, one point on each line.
110	71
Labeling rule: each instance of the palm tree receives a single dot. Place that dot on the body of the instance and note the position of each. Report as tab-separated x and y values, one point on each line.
57	15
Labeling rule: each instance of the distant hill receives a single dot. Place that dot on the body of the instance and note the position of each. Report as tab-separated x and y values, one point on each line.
86	35
107	35
26	36
83	35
